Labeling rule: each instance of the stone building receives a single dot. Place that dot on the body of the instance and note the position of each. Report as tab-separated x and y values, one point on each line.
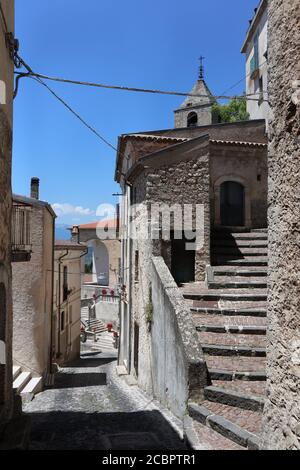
103	238
68	272
282	409
255	48
6	118
174	338
32	278
198	108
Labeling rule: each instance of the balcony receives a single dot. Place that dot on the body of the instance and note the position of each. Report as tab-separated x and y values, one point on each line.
20	234
254	67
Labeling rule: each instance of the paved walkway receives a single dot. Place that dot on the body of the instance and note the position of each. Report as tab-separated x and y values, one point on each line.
90	407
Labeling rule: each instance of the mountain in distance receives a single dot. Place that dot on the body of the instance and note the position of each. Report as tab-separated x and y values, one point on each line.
62	232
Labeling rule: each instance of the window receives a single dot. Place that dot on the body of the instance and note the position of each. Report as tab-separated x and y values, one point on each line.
62	321
192	119
65	283
261	91
136	266
133	192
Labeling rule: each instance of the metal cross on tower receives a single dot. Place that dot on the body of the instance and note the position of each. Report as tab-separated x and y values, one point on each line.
201	68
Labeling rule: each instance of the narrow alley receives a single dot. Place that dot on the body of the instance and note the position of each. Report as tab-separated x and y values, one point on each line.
90	408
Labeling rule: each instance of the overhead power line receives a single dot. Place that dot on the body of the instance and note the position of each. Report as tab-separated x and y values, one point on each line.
19	62
242	79
32	75
138	90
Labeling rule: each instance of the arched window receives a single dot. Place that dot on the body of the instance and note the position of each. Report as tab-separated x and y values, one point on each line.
192	119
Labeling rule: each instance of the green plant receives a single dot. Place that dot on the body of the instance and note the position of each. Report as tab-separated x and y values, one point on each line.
149	312
89	268
235	110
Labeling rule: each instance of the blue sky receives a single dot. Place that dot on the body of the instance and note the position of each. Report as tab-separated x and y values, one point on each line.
133	43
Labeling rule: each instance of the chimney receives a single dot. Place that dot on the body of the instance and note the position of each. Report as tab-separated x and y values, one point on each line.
34	188
75	234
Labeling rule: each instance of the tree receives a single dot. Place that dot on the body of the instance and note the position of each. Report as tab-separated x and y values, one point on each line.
89	268
235	110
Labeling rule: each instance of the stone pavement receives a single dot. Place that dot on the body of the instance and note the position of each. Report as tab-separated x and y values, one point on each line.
90	407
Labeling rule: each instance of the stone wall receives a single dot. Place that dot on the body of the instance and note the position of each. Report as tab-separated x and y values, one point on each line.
112	247
204	114
248	166
66	342
32	297
181	179
6	107
177	365
245	131
282	410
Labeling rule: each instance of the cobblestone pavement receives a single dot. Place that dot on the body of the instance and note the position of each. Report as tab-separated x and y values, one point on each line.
90	407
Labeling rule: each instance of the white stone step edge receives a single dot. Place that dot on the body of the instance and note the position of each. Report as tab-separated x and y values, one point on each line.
21	381
16	371
34	386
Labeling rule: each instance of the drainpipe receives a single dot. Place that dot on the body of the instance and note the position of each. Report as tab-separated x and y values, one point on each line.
81	256
129	186
59	300
52	302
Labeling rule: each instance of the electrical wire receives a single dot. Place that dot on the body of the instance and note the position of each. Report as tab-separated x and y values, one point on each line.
19	62
139	90
31	74
242	79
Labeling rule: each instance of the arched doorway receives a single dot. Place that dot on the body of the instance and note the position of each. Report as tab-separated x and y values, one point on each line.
100	263
232	204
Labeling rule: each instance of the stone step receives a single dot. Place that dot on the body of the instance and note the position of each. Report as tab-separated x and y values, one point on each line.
232	339
230	375
230	350
233	398
245	261
237	365
16	371
201	437
238	243
232	271
248	387
208	320
237	284
239	252
240	426
232	295
232	329
245	312
239	233
33	386
22	380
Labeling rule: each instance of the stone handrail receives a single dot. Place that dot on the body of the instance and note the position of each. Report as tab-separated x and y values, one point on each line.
178	365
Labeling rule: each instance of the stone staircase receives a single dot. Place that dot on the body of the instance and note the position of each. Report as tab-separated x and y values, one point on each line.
104	339
230	317
25	384
94	325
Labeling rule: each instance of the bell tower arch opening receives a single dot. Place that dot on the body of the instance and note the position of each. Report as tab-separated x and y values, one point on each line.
192	119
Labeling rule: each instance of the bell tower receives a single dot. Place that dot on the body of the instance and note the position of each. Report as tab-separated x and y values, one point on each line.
196	110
